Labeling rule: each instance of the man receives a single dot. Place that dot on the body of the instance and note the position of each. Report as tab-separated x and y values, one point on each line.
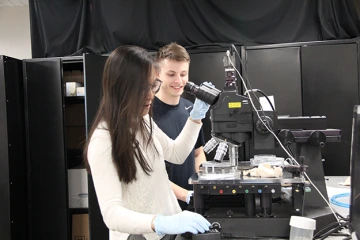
170	112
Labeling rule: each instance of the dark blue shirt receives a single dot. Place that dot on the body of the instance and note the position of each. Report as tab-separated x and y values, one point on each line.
171	119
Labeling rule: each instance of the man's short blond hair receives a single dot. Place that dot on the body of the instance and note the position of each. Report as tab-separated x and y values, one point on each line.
172	51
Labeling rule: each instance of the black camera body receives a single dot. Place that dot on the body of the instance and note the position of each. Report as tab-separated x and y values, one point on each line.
232	118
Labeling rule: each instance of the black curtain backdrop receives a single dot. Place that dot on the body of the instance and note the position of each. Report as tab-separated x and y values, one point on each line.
71	27
59	27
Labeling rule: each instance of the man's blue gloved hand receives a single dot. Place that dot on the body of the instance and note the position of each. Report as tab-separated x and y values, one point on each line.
181	223
189	195
200	108
209	84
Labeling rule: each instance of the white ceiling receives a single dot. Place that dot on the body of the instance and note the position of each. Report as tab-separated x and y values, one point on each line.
13	3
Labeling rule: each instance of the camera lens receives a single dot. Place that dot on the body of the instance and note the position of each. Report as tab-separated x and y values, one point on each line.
203	92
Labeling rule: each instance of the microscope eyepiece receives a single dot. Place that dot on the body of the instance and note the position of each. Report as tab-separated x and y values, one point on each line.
191	87
203	92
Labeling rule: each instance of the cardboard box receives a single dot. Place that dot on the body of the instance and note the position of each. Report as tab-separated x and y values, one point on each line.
78	188
80	227
71	88
75	115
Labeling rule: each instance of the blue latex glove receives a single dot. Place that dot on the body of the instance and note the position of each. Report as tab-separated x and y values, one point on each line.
200	108
209	84
189	195
181	223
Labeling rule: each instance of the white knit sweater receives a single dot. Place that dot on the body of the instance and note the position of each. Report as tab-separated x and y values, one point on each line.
130	208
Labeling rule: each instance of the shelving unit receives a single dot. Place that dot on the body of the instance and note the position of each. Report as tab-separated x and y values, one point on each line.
56	133
75	135
56	129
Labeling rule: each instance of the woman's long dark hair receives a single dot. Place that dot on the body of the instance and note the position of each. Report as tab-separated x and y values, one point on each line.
126	74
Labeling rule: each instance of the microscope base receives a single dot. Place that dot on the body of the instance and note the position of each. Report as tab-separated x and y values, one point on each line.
250	227
253	227
322	215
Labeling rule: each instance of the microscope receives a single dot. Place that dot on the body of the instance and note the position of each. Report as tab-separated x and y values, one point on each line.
233	120
243	206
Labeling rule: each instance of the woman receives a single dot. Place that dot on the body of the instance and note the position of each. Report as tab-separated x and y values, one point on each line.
125	153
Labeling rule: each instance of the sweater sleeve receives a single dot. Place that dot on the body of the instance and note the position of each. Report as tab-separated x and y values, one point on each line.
176	151
109	190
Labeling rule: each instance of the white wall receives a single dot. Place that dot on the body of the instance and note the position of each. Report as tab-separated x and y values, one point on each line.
15	32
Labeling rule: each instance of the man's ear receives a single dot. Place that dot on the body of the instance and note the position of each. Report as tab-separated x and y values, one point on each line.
157	69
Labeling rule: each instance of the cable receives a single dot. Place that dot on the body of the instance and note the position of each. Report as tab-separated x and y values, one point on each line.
246	77
327	202
242	63
330	229
325	229
270	130
281	145
266	96
291	152
257	112
340	226
343	218
334	200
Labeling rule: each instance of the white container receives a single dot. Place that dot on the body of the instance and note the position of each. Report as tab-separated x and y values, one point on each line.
302	228
71	88
80	91
78	188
